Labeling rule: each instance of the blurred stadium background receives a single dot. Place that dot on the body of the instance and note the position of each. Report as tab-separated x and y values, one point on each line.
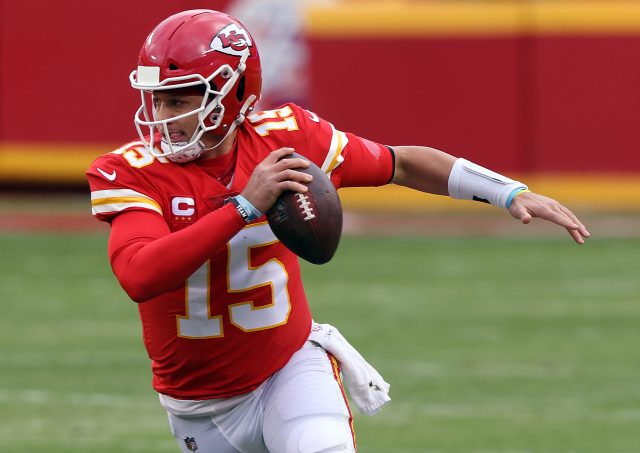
500	337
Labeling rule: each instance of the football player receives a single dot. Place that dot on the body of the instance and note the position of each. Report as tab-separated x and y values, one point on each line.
223	310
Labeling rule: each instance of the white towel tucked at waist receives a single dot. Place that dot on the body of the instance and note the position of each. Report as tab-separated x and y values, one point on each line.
367	388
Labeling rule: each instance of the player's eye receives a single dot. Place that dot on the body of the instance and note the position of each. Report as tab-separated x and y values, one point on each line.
177	103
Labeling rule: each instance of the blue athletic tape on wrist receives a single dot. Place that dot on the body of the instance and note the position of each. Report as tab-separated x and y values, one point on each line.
246	209
514	194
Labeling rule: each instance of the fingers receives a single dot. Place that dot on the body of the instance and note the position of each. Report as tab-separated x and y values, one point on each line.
576	235
293	162
530	205
292	186
275	156
564	217
581	228
284	171
292	180
280	162
277	173
280	156
560	217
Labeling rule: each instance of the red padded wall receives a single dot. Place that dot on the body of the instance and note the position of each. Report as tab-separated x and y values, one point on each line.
65	66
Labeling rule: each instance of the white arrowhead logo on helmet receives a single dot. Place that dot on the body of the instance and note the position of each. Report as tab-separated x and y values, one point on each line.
232	40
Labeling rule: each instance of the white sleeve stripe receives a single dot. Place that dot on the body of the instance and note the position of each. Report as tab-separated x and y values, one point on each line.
97	194
116	200
334	157
117	207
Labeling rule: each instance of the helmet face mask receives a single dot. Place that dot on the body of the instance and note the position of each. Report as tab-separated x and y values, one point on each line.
155	135
199	49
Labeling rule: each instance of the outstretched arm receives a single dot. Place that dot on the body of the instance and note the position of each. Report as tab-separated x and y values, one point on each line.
432	171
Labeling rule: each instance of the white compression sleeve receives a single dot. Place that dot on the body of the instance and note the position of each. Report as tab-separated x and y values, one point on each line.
469	181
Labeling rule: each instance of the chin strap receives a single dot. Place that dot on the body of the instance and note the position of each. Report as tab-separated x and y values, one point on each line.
185	155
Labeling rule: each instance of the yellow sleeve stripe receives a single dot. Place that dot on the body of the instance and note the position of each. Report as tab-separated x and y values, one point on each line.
334	157
104	201
120	204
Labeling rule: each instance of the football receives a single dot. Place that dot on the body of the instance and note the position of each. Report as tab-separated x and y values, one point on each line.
309	224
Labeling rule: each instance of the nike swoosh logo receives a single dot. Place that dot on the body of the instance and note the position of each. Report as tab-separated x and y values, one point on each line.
313	117
110	176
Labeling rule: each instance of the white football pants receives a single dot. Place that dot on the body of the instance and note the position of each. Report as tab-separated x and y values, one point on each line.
300	409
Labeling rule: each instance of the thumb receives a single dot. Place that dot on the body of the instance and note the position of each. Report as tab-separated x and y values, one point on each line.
520	213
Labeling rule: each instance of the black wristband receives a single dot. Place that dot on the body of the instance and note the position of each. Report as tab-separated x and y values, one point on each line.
245	215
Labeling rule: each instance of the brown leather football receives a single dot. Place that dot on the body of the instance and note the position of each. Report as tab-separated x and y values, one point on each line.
309	224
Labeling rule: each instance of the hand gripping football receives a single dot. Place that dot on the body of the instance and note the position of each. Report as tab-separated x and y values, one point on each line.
309	224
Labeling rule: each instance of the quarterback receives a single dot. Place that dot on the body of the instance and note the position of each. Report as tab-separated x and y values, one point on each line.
224	315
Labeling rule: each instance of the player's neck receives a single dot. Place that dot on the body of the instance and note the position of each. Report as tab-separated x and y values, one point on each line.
222	149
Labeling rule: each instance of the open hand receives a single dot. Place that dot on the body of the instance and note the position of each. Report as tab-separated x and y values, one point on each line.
528	205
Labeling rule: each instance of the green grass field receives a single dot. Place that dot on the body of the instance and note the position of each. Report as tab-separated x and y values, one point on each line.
490	345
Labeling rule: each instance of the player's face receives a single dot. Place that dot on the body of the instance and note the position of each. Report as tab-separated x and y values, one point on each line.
169	104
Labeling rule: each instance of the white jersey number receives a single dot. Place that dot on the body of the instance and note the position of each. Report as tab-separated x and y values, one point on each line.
241	276
283	120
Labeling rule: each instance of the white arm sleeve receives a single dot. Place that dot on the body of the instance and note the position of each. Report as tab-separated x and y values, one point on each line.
468	181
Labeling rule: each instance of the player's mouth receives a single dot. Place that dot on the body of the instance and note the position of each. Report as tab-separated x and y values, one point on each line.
176	137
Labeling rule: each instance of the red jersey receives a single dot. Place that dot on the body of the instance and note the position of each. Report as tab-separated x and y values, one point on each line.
240	316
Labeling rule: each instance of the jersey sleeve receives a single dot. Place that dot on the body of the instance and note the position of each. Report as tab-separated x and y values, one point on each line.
116	186
149	260
366	164
350	160
146	256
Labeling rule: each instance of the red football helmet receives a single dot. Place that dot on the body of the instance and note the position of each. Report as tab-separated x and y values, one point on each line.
200	48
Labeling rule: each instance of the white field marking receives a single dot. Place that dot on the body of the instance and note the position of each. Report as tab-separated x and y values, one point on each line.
415	368
44	397
510	451
400	413
422	450
421	368
404	450
40	358
534	451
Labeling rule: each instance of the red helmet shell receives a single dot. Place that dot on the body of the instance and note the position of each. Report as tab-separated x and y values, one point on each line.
200	42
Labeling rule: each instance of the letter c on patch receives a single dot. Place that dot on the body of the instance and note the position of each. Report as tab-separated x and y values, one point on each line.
183	206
